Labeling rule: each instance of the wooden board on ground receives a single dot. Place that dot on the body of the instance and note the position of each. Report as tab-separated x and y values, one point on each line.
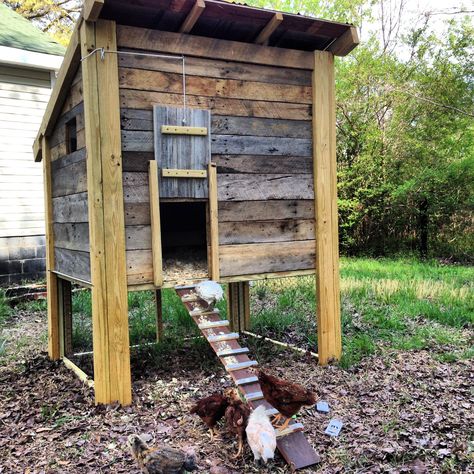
294	447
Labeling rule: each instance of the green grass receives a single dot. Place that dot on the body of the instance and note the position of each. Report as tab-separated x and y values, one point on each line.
387	304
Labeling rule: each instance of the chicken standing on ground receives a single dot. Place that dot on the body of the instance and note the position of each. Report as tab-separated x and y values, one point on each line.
261	435
236	417
209	291
162	460
211	409
286	397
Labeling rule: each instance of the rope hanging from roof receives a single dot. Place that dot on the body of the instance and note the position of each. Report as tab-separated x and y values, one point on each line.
103	52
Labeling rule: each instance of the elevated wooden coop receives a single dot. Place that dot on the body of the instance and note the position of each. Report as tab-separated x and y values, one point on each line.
184	141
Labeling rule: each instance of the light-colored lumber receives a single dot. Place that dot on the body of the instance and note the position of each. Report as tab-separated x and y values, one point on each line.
269	29
238	305
345	43
199	46
155	224
325	184
192	17
114	226
175	173
54	350
65	77
182	130
92	9
213	223
79	372
106	216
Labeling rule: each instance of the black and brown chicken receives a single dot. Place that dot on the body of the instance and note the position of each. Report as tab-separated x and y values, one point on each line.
160	460
211	409
236	417
286	397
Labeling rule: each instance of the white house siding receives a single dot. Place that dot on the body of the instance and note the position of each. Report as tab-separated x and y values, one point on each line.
24	93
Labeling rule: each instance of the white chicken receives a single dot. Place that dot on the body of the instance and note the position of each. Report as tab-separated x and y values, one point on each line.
261	435
210	291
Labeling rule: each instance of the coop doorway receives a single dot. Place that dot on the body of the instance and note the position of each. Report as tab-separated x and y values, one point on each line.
184	240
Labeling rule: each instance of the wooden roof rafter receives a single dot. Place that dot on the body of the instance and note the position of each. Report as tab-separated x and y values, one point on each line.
193	16
269	29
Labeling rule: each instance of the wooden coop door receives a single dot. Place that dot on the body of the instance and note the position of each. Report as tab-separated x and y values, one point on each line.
182	151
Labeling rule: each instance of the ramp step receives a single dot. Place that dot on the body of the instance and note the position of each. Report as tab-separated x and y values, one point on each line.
240	365
291	429
190	298
231	352
251	397
203	312
184	287
246	381
213	324
223	337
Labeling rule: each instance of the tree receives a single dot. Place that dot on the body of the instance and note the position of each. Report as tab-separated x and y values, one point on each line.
56	17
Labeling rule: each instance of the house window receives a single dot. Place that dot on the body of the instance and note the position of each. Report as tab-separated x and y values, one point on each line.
71	136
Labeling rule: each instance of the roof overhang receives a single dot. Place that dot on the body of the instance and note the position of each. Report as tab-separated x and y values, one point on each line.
22	57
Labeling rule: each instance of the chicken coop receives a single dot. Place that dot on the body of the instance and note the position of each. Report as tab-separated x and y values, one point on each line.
188	141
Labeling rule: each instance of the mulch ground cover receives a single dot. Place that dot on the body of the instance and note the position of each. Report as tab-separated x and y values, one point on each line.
402	412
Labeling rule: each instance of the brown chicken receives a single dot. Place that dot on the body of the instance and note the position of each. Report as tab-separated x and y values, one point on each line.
286	397
211	409
236	417
162	460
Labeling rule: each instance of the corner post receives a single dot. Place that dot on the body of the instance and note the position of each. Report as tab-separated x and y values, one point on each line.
112	377
325	195
238	305
54	349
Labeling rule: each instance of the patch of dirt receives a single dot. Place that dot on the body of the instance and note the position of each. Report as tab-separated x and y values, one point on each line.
402	412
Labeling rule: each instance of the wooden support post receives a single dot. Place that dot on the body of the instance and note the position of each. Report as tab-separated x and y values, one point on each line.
112	378
159	315
325	195
213	223
238	306
54	350
155	223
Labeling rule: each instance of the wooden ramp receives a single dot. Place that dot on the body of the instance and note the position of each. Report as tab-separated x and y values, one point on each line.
292	444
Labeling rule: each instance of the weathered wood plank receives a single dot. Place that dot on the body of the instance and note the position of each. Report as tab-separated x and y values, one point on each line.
136	119
70	179
72	236
71	208
58	134
265	210
248	187
139	267
235	145
247	259
192	16
265	231
67	160
257	164
219	69
156	81
138	237
136	161
136	99
187	152
137	213
72	263
153	40
227	144
60	149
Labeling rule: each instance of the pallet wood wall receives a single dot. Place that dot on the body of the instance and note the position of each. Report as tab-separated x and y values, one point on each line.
69	190
261	143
